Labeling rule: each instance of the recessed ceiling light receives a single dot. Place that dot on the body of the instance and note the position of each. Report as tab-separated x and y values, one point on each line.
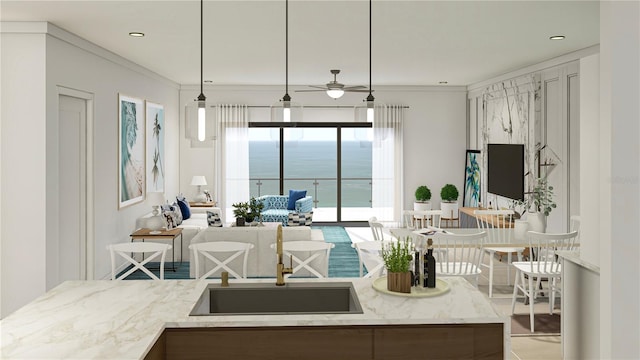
136	34
557	37
443	82
208	81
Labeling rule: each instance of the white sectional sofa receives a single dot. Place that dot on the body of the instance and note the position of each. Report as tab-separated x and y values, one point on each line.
262	258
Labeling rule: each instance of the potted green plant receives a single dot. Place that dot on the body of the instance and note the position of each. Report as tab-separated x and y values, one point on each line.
423	195
539	203
397	256
255	208
449	205
241	212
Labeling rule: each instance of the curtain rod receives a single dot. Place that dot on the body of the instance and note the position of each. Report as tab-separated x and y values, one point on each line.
319	106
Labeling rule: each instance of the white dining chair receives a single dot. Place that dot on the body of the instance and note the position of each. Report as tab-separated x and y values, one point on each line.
376	229
309	257
543	263
128	250
369	255
418	219
459	254
502	220
222	254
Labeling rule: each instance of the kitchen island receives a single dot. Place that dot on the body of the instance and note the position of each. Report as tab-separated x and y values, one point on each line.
145	319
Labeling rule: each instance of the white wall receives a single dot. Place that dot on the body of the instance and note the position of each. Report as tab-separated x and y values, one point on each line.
619	174
589	158
434	129
30	184
23	193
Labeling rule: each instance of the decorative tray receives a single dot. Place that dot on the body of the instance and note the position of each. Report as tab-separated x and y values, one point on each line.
380	284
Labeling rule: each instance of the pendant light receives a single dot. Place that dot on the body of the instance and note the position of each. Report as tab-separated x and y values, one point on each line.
370	97
285	110
202	106
199	126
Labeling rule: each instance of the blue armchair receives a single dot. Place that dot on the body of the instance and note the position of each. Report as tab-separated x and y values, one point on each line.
275	207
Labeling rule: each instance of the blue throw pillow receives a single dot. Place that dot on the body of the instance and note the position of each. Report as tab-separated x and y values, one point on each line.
184	208
295	195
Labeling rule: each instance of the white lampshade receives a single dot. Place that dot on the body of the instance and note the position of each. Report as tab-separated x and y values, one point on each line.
198	180
155	198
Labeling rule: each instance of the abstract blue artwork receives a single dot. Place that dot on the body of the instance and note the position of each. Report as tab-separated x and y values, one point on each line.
471	197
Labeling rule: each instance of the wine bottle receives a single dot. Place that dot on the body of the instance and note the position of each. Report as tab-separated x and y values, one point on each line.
416	269
431	264
425	270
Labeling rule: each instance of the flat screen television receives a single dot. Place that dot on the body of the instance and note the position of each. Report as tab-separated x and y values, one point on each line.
505	170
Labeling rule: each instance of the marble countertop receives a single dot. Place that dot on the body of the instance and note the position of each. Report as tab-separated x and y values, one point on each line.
574	256
123	319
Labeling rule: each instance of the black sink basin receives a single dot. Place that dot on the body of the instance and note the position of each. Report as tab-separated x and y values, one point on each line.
268	299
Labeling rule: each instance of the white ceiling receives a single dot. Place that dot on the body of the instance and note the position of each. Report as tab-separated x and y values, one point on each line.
414	42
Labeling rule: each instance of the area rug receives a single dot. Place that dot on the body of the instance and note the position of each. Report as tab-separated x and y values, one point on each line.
343	259
544	324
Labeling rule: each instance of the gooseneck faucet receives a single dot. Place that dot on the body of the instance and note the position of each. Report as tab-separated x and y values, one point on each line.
280	269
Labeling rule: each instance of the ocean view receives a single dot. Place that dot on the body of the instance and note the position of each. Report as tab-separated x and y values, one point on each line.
314	160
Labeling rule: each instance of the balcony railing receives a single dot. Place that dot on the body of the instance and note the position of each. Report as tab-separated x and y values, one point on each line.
355	191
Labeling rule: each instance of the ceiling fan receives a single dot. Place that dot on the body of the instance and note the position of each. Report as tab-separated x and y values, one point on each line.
335	89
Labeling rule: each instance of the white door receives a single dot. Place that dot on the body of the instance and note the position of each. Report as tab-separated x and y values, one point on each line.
72	155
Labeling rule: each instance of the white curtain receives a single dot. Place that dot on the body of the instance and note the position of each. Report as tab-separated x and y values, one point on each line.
387	181
231	168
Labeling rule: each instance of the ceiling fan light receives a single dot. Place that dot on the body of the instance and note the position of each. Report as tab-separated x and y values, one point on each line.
335	93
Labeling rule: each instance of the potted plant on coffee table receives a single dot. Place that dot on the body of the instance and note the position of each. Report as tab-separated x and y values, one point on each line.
397	259
255	208
241	212
423	195
449	205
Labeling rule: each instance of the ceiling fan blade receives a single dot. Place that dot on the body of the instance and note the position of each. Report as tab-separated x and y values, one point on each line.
354	87
318	87
356	90
309	90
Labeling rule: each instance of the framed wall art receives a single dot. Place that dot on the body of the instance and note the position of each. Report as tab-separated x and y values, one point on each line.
471	197
131	149
155	147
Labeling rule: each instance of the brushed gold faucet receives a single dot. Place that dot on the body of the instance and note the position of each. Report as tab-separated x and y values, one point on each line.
280	269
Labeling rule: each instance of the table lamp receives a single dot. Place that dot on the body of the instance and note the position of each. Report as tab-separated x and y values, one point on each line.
198	181
155	223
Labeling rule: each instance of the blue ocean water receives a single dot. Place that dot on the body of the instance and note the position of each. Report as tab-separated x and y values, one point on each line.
309	162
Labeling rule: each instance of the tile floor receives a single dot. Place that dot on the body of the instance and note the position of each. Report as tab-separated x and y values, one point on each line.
523	347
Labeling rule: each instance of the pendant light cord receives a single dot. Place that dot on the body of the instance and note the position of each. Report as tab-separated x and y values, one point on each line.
286	50
201	45
201	97
370	98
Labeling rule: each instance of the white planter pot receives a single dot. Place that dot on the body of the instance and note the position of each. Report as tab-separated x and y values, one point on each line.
520	228
537	222
422	206
449	210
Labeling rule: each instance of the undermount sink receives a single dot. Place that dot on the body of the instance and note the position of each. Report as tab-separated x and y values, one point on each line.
269	299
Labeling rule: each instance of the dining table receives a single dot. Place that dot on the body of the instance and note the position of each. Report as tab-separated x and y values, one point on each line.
495	237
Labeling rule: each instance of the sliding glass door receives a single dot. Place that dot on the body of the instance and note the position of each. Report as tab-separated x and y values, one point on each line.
332	162
310	163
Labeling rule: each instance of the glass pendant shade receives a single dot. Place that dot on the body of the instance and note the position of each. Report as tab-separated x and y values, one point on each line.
335	93
280	113
370	115
199	123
